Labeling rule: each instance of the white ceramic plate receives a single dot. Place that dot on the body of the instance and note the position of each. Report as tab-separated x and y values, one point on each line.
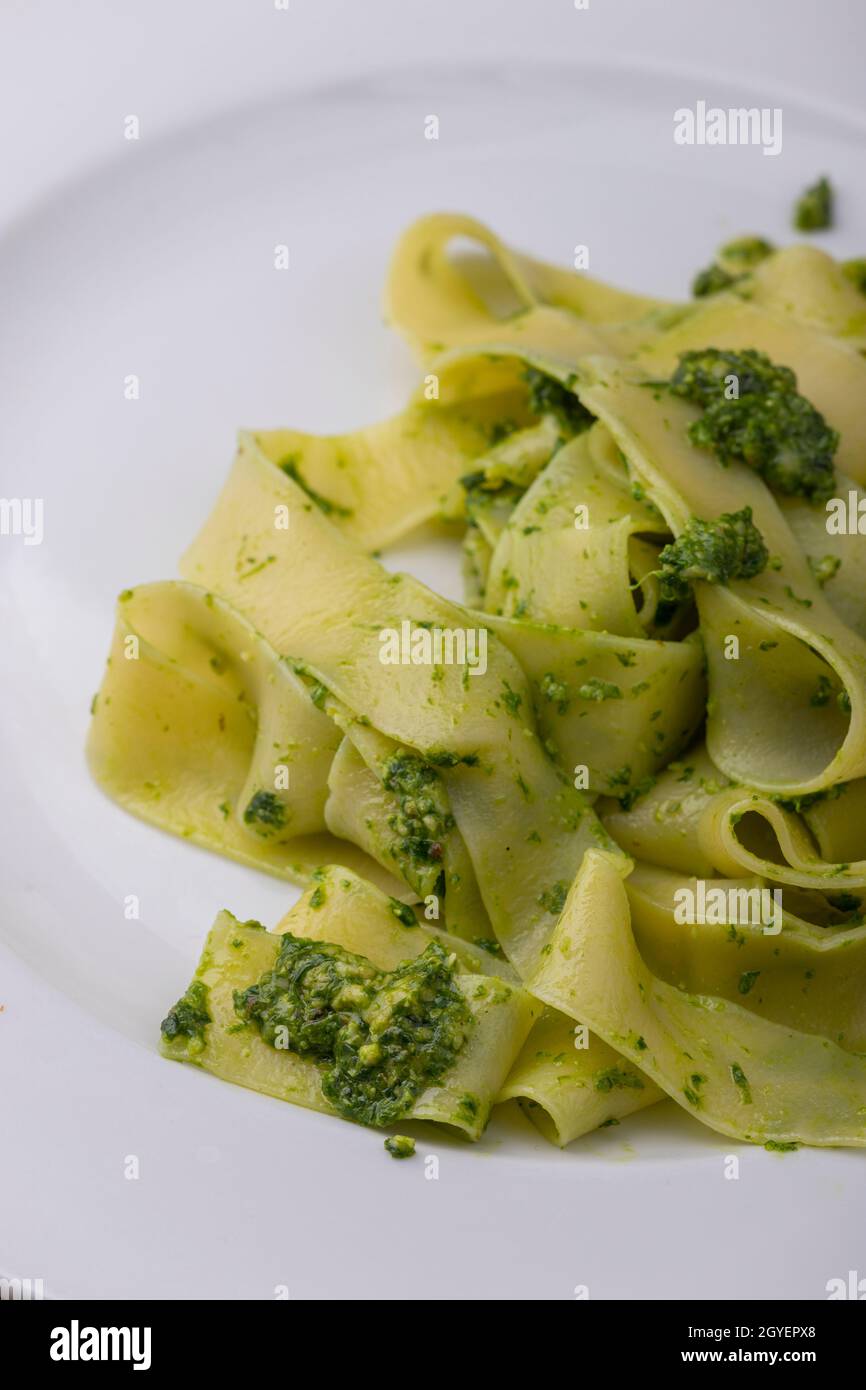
161	265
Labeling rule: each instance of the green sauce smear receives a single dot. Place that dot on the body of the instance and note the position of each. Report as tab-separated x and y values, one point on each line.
189	1017
382	1036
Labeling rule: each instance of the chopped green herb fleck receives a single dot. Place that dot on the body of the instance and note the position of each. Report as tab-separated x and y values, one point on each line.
616	1078
738	1076
813	211
595	689
824	569
265	810
403	912
289	465
400	1146
553	899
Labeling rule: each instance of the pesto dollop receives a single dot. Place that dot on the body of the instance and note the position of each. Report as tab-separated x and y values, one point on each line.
813	211
423	819
754	414
718	551
382	1036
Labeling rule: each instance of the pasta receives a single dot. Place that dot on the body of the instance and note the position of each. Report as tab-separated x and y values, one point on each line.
593	837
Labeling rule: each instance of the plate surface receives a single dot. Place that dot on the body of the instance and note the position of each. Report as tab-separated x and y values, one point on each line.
126	1176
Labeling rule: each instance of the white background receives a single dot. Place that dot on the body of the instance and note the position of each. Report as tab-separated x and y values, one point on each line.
70	72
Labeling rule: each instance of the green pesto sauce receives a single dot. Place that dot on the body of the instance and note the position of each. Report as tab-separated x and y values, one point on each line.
491	946
715	551
556	692
615	1078
265	812
825	568
403	912
547	396
500	430
740	1080
632	791
444	758
807	799
712	280
381	1036
189	1017
813	211
746	251
423	820
767	425
553	899
400	1146
733	262
595	689
512	699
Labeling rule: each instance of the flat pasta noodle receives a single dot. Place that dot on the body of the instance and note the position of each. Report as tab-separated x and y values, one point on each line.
541	309
379	483
788	853
568	1090
741	1074
194	712
836	556
805	283
563	555
806	976
477	729
617	707
343	910
693	819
